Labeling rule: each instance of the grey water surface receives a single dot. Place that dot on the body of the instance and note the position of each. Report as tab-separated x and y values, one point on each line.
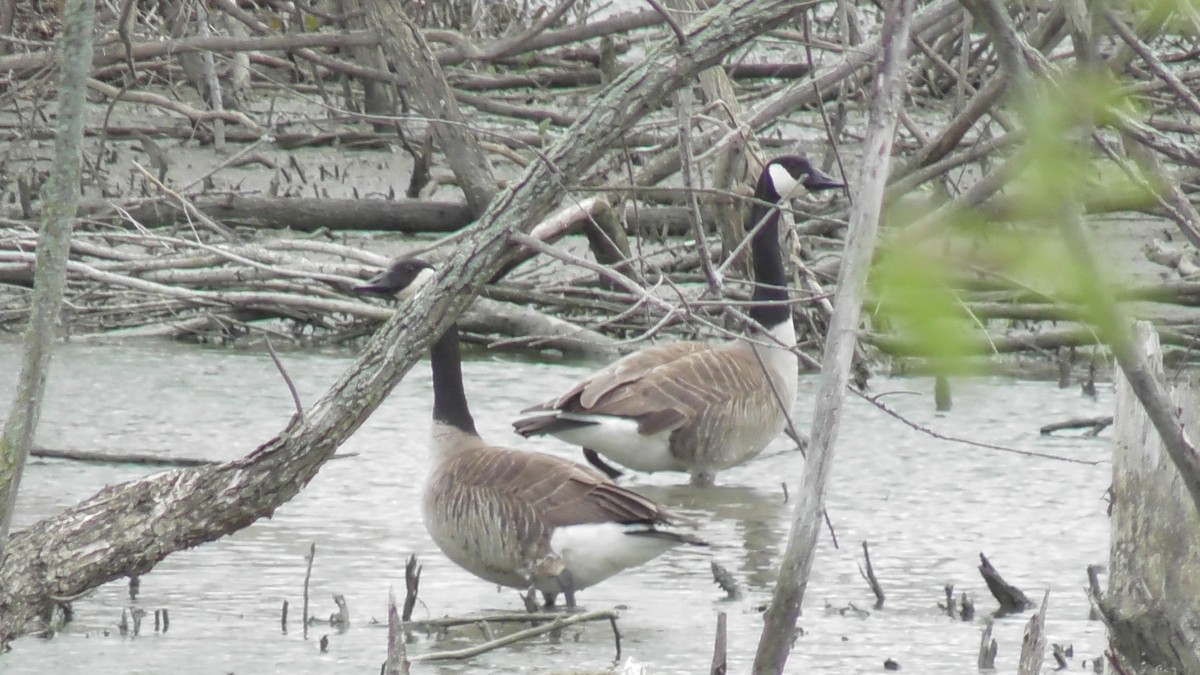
927	507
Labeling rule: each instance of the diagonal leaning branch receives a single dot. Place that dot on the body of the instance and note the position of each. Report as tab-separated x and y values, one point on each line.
128	528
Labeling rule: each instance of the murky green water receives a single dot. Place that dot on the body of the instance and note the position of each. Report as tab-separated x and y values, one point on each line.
927	507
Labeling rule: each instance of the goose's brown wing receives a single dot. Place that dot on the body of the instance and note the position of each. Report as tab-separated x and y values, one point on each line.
541	492
706	383
628	368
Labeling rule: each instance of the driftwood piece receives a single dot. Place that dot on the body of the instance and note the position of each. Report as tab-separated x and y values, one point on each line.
1094	425
1153	602
118	457
1011	598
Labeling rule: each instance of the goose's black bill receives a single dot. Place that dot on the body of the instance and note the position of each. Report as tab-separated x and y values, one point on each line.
819	180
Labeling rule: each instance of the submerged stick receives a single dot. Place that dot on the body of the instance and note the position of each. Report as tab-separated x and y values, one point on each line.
612	621
728	583
869	575
412	583
312	553
558	624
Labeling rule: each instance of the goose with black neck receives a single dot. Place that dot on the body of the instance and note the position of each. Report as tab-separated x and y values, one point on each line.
698	407
522	519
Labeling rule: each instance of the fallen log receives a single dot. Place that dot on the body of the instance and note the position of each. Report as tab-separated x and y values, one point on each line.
303	214
1094	424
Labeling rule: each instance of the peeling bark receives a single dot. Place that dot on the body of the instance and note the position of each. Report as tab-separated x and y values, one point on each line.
1153	602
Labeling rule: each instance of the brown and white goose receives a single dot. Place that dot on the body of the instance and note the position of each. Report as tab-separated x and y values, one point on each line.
698	407
522	519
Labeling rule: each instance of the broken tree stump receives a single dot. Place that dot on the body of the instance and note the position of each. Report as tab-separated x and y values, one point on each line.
1153	604
1033	644
1010	597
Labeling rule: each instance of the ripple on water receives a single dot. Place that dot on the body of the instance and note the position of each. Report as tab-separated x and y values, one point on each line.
927	507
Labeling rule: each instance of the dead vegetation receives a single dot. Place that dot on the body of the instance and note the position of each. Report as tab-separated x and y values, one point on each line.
237	154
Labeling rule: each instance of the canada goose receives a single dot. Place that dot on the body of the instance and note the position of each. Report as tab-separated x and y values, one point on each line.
521	519
694	406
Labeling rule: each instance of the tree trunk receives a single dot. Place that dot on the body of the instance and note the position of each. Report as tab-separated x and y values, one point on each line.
377	96
128	528
1153	602
426	85
780	621
60	197
8	10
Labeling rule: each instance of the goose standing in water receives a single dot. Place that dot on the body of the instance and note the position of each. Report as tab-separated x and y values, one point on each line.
522	519
694	406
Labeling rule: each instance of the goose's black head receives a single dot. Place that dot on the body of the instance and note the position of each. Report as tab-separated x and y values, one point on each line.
403	278
783	176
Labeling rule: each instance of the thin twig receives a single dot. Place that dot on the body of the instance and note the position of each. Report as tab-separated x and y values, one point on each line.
675	28
829	524
686	160
287	380
612	621
873	400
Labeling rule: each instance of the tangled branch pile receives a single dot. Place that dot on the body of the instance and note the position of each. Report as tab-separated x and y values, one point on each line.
247	162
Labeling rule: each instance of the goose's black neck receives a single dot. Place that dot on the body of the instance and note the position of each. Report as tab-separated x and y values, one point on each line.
770	279
449	399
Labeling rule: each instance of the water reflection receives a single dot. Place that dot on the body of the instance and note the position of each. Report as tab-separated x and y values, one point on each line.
740	523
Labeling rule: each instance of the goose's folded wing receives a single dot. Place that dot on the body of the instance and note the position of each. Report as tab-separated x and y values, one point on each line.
564	493
706	381
628	368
